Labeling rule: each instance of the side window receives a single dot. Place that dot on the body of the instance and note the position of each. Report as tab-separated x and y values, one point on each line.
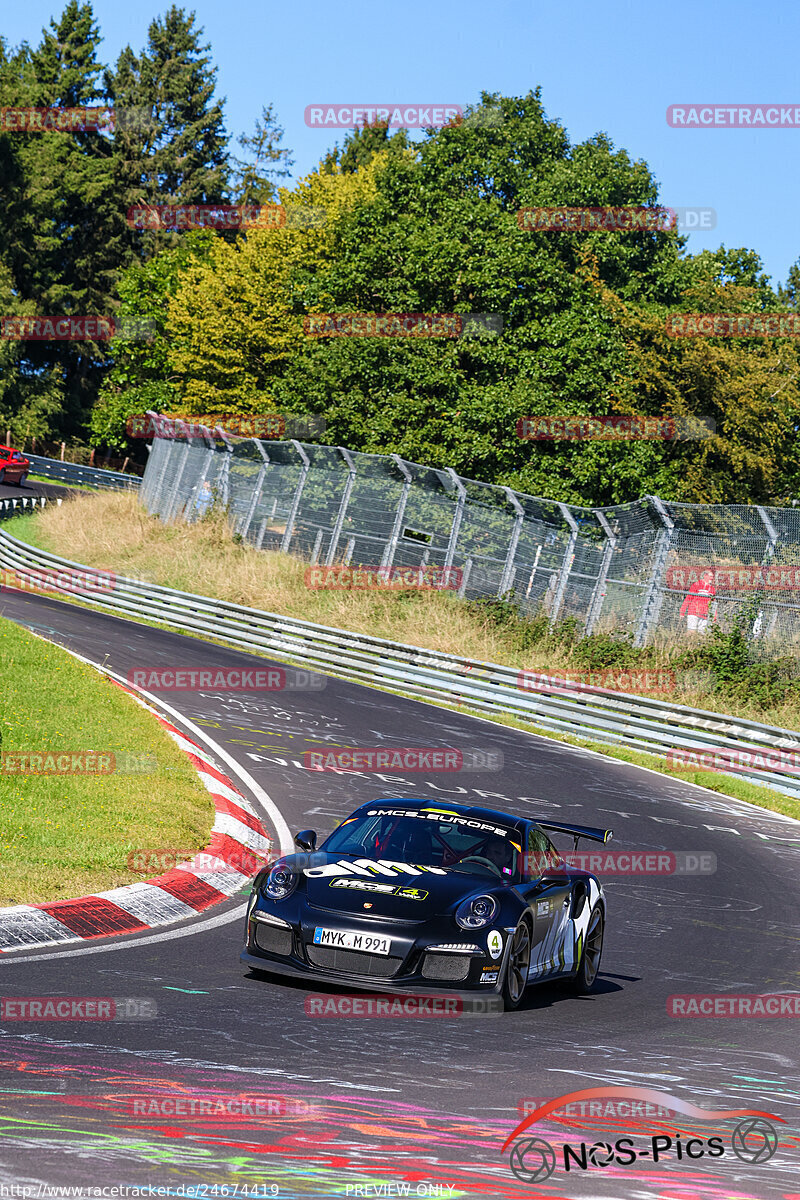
554	859
537	857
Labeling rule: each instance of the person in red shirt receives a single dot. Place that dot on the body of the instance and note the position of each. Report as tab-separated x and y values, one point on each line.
696	605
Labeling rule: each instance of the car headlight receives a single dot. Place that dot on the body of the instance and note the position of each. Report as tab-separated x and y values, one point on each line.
281	882
476	912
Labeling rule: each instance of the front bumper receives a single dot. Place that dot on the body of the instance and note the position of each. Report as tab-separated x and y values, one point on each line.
413	966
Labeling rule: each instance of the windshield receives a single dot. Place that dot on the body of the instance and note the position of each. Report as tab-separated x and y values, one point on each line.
430	839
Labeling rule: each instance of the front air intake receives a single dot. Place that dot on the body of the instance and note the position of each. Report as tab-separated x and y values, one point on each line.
446	966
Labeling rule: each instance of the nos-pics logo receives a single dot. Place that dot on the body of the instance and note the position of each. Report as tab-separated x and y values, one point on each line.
754	1139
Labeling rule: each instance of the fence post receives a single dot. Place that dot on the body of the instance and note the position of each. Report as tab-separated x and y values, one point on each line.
769	554
223	480
391	547
654	595
458	516
154	484
172	503
569	555
289	530
507	577
600	589
772	535
340	516
262	471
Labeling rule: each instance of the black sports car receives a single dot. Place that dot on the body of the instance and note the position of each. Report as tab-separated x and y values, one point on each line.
416	896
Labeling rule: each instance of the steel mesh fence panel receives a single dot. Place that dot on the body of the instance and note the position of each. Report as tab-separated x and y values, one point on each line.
539	556
428	517
371	513
735	544
584	569
634	528
484	538
156	472
269	517
320	502
631	568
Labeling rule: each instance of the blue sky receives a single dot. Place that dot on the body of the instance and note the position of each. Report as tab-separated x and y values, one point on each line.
605	67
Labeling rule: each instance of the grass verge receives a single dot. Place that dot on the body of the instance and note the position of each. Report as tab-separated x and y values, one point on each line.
70	835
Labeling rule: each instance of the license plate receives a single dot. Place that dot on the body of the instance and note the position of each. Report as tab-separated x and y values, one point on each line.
370	943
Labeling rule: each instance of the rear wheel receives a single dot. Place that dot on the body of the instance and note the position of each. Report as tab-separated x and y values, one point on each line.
584	981
515	977
22	479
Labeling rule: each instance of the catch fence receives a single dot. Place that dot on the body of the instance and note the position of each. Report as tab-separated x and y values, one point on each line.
628	568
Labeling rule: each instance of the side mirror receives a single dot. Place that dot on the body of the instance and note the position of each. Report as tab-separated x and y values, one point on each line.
306	839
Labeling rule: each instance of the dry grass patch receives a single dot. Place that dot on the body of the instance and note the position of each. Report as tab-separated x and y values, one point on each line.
112	531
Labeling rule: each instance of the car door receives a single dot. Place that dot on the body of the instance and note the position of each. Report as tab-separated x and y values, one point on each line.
549	897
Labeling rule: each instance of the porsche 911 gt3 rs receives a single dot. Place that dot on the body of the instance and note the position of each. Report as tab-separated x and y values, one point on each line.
415	896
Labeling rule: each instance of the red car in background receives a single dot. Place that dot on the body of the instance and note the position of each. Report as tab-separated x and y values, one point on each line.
14	466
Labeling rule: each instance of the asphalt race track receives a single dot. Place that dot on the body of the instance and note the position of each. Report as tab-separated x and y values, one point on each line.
33	487
422	1104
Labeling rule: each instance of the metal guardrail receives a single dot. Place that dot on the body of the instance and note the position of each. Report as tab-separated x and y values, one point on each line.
645	724
64	472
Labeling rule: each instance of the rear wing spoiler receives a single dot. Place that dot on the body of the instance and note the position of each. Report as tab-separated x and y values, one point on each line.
579	831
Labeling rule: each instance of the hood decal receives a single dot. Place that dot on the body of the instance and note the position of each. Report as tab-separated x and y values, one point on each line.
383	889
368	868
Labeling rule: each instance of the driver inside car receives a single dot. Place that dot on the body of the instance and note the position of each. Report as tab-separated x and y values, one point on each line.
499	853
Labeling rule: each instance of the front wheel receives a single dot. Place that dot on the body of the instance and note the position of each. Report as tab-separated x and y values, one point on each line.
515	977
585	979
2	476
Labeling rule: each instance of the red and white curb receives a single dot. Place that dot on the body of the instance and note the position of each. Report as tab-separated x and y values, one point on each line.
209	878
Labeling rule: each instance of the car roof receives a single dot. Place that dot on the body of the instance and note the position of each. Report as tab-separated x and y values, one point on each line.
463	810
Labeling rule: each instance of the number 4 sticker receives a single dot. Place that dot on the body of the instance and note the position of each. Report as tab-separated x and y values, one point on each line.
494	943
